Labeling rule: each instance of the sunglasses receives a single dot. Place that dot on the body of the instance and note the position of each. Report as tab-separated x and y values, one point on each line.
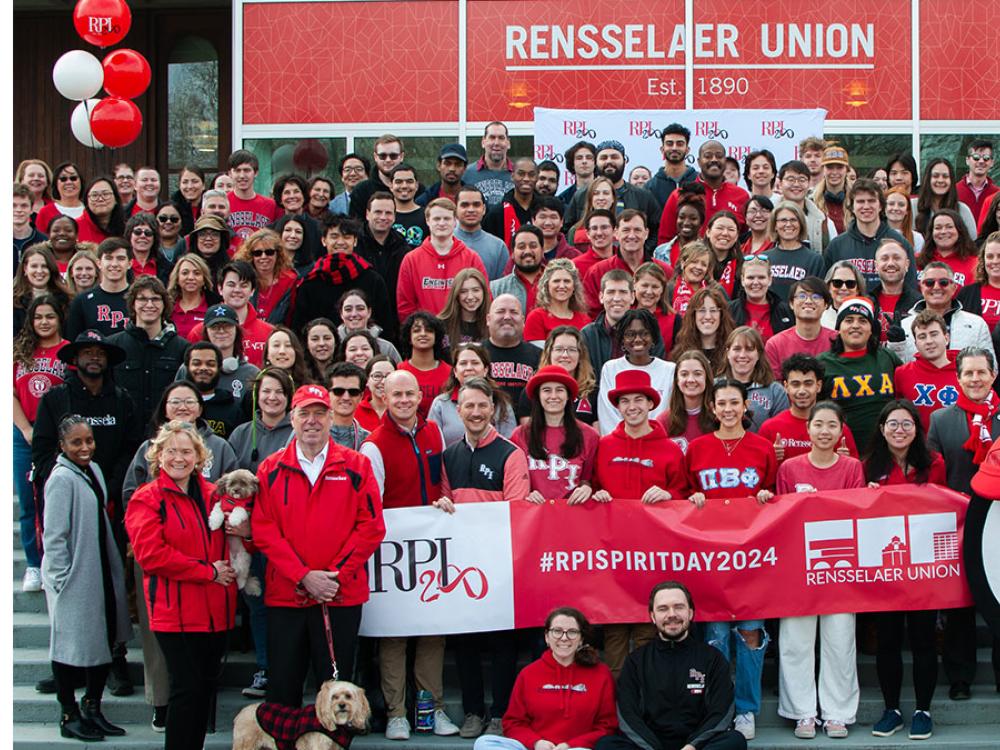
841	283
931	283
142	233
981	157
268	251
352	392
68	178
386	157
167	219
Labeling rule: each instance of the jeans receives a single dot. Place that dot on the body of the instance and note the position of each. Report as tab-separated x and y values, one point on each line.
749	661
258	612
26	497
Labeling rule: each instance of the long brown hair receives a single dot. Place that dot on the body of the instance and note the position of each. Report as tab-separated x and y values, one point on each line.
964	246
586	380
27	340
688	336
573	437
299	372
586	655
677	421
451	315
23	291
761	374
650	268
501	399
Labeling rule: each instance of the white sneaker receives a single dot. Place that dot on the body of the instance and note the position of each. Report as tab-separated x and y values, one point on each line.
745	725
398	728
32	580
443	726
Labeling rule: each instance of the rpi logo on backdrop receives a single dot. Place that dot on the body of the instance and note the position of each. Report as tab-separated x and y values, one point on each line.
888	548
411	563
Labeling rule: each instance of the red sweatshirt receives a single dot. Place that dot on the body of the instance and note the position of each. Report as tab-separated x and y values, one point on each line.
714	471
727	197
929	388
573	705
627	467
425	277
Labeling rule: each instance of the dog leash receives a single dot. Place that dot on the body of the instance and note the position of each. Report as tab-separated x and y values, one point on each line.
329	639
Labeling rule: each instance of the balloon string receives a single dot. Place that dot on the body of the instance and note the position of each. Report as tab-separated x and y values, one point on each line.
86	108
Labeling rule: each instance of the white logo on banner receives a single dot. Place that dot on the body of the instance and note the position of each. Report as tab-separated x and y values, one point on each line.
433	573
739	130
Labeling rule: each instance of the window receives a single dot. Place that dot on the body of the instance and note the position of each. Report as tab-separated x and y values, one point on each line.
955	148
421	154
193	104
306	157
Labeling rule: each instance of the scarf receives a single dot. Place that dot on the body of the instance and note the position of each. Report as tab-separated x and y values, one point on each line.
727	277
510	223
338	268
979	416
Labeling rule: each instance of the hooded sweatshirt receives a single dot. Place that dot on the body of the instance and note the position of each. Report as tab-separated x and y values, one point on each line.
574	704
860	250
425	277
626	466
929	387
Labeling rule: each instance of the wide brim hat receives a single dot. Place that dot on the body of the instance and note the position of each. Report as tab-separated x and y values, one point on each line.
211	221
633	381
116	355
552	374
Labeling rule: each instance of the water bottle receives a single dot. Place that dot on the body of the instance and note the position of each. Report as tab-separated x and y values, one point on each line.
425	712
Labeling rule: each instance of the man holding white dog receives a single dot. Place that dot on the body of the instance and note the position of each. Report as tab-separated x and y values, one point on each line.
318	518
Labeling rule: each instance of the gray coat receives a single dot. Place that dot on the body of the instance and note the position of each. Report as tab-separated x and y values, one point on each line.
71	569
268	441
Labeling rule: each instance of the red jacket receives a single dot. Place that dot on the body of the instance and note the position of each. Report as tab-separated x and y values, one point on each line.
573	704
929	388
727	197
175	549
334	524
425	277
627	466
415	460
969	198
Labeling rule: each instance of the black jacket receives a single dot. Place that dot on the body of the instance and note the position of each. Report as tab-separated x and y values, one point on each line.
113	417
224	413
673	693
493	222
661	186
907	299
971	297
386	259
149	366
781	314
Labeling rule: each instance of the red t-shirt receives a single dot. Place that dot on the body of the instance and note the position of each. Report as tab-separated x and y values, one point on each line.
247	216
991	305
964	268
748	469
556	477
540	321
783	345
795	435
430	381
759	316
31	383
887	307
692	429
845	474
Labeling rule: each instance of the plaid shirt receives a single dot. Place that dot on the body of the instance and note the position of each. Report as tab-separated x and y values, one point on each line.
286	724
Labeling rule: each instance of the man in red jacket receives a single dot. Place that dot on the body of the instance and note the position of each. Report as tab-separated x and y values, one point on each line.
318	518
413	447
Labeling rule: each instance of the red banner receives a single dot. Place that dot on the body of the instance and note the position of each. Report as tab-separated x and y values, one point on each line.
897	548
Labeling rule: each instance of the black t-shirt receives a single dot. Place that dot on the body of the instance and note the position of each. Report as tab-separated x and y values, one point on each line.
97	310
412	225
513	366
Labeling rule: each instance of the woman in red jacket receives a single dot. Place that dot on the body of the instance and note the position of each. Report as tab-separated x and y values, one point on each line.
189	583
565	699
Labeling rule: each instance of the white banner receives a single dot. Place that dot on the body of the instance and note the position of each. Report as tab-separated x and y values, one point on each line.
439	573
739	130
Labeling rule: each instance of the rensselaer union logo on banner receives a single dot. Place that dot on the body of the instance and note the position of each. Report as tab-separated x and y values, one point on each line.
884	549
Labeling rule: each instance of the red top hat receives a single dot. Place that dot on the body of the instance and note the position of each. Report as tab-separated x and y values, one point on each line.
633	381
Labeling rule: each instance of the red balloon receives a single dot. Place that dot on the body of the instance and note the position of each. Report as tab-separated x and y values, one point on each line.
310	156
126	73
115	122
102	22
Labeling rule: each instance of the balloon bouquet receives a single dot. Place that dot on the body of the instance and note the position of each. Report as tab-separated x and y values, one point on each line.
124	74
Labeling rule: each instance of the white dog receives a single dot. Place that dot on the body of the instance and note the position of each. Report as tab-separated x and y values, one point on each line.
341	711
235	493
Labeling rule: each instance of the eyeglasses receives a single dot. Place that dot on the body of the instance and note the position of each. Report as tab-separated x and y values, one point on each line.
140	232
931	283
841	283
795	180
352	392
182	402
981	157
124	178
900	424
643	334
102	195
786	220
149	301
168	219
808	297
268	251
68	178
387	157
360	168
559	350
376	376
558	634
757	212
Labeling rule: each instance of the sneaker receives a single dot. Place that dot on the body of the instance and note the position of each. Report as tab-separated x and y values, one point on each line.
443	726
890	723
495	727
835	730
746	725
921	726
258	685
398	728
472	727
805	729
32	581
159	719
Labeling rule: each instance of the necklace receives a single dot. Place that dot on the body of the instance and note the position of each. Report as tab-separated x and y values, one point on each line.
732	444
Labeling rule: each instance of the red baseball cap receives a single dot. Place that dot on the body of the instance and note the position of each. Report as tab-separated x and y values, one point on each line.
986	482
308	395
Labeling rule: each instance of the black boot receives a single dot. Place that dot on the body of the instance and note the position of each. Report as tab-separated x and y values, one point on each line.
119	683
90	709
74	726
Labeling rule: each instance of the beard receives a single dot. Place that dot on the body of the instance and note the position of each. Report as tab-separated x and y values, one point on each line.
613	172
674	636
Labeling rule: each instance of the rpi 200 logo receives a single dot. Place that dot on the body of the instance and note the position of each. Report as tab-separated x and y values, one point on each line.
409	563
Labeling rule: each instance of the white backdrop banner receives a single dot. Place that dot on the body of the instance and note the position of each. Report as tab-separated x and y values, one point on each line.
739	130
439	573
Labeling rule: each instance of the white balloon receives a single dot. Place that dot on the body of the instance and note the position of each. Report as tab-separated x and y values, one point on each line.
79	123
78	75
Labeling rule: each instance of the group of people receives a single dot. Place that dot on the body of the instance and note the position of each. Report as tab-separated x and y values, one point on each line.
485	339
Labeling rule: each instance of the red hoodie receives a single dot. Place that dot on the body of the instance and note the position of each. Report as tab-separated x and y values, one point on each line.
627	467
425	277
929	388
727	197
574	705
